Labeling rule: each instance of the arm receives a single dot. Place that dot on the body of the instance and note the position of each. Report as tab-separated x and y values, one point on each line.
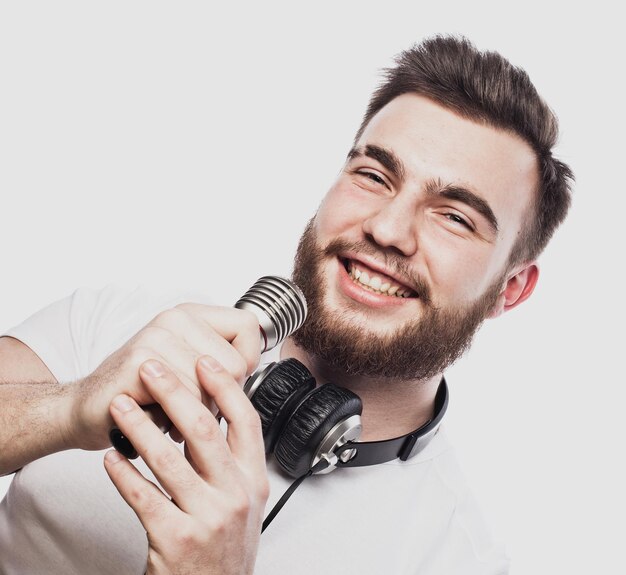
34	407
42	418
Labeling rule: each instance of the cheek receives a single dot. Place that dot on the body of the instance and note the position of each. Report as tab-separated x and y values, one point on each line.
342	209
448	274
463	281
457	275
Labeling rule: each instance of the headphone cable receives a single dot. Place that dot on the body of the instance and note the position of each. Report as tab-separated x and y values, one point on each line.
319	466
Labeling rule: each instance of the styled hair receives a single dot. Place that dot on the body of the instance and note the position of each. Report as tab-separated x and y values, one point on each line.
485	87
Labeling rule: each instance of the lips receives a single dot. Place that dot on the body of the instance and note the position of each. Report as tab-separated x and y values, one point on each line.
375	281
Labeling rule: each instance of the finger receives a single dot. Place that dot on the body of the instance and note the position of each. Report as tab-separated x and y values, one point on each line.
149	503
184	334
212	343
180	356
189	340
203	437
244	436
168	464
238	327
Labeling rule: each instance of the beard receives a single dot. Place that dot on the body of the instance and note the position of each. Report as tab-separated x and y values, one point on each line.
421	348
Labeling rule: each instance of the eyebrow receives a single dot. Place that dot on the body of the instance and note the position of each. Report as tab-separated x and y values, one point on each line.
385	157
460	194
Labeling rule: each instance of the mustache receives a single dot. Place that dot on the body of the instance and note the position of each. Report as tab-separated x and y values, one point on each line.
392	261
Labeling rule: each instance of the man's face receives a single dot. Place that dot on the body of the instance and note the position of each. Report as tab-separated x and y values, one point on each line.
408	251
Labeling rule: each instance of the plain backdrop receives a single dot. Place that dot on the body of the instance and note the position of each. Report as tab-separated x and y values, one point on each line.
181	144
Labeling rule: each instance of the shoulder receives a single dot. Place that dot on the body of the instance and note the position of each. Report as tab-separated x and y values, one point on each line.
107	318
460	539
74	334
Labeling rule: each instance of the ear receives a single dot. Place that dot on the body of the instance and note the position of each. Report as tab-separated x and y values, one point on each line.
517	289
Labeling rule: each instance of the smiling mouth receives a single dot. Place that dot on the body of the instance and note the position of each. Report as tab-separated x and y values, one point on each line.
376	282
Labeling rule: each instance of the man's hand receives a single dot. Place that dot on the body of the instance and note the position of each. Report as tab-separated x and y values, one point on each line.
177	337
212	523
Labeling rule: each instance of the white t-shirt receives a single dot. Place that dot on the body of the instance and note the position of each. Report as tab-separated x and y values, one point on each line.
62	514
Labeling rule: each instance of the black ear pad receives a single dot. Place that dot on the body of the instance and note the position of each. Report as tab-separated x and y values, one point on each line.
278	394
319	412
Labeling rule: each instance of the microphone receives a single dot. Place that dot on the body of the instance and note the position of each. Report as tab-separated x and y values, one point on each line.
281	309
279	306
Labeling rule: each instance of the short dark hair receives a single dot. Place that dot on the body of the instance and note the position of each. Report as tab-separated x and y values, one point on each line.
487	88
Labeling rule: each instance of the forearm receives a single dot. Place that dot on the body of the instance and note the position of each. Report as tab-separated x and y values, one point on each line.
37	419
34	422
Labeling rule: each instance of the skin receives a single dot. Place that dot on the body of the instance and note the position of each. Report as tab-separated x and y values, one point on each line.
219	485
432	144
218	491
410	217
48	418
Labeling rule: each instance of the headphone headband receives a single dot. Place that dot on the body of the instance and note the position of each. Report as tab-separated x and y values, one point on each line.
357	454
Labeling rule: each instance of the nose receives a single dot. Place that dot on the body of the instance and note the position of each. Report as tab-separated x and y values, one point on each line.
393	225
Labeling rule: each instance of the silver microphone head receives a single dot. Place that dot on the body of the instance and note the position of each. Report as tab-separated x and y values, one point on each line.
279	305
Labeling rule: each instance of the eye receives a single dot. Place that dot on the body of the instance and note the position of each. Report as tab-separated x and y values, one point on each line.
459	220
371	176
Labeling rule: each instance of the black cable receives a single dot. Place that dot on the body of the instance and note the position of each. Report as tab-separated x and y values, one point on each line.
319	466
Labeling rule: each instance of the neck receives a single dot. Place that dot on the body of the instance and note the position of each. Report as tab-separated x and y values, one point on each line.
391	408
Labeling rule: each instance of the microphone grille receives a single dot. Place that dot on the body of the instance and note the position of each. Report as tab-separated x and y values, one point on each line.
279	305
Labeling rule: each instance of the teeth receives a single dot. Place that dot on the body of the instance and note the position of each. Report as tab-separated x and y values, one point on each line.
376	284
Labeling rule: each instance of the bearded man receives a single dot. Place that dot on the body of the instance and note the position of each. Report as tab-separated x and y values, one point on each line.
448	195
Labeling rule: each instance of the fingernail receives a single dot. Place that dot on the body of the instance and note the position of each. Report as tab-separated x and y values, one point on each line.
153	367
113	456
122	403
207	362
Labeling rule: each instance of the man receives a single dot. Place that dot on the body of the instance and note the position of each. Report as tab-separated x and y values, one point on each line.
448	195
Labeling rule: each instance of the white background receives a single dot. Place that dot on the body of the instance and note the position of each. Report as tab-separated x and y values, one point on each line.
174	144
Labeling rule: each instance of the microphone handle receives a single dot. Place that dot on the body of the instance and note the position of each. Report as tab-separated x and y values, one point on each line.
118	440
280	308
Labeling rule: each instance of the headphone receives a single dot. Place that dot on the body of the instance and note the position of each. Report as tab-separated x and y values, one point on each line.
304	424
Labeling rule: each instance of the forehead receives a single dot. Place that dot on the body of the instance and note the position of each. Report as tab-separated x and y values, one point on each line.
433	142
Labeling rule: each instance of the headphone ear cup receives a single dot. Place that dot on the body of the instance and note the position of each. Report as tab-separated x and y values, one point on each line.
319	412
278	394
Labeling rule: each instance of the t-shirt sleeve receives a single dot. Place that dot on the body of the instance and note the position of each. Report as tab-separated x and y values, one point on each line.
74	334
48	333
62	333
